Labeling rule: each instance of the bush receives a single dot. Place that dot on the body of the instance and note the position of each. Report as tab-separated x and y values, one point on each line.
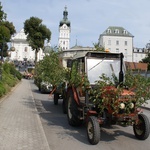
9	77
2	89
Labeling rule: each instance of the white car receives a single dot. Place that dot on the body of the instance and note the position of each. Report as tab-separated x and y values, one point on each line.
45	87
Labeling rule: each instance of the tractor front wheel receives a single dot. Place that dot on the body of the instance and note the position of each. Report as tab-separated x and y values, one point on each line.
142	128
93	130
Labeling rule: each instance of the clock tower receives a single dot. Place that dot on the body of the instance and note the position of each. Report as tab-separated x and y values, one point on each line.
64	32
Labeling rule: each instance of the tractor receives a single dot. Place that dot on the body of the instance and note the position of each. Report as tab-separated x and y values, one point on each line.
80	108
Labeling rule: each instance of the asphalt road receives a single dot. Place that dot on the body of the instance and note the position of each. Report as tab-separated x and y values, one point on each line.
61	136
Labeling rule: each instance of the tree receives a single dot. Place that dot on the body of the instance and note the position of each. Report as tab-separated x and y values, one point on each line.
99	48
36	33
7	29
147	60
50	69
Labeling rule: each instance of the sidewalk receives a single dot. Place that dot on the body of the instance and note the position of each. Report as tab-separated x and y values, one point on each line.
20	125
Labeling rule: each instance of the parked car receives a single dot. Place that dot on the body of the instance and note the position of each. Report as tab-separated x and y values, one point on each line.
45	87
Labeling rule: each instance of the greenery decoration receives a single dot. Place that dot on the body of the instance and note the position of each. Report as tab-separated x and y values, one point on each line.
106	94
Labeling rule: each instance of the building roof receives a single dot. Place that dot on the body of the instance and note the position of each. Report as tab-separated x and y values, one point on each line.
20	36
117	31
136	66
77	47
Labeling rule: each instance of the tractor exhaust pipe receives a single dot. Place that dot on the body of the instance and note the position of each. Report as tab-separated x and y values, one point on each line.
121	75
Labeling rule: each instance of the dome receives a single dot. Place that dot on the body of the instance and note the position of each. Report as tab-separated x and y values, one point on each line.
67	22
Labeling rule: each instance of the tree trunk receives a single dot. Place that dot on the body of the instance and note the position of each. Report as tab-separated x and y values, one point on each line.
36	52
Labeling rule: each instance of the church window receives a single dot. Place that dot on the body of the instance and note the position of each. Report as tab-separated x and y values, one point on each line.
25	49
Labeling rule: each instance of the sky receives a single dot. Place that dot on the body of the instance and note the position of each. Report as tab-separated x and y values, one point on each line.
89	18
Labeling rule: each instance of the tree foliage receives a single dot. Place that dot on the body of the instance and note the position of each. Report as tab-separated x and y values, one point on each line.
50	69
106	94
147	60
36	33
7	29
99	48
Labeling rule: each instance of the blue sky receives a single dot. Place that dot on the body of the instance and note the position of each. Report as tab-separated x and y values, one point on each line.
89	18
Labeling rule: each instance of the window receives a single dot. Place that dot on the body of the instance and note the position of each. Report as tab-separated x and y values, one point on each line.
116	31
25	49
125	32
108	31
117	42
109	42
125	52
117	50
125	43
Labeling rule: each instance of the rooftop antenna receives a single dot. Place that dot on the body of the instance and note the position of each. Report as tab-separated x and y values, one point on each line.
76	41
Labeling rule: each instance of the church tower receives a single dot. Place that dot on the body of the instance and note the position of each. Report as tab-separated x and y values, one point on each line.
64	32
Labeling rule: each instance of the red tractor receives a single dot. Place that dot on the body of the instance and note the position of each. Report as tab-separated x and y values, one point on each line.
79	107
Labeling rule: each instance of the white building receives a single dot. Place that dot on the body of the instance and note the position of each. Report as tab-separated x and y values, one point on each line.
64	31
22	49
139	54
118	40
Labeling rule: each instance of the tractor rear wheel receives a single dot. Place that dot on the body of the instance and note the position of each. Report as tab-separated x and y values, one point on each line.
142	129
93	130
73	113
56	97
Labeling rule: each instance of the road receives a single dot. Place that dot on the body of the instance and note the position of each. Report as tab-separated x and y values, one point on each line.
61	136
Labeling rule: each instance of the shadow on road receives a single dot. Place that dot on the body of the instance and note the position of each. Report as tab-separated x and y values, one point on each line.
53	117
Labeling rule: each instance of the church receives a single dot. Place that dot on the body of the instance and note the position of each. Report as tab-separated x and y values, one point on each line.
23	52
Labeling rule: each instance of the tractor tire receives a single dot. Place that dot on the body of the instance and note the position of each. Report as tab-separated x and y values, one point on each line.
56	97
64	106
73	113
93	130
142	129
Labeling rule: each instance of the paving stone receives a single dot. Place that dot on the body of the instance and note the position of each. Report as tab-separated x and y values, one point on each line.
20	125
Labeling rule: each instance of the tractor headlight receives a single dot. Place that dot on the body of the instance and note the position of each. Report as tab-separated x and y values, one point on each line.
131	105
122	106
